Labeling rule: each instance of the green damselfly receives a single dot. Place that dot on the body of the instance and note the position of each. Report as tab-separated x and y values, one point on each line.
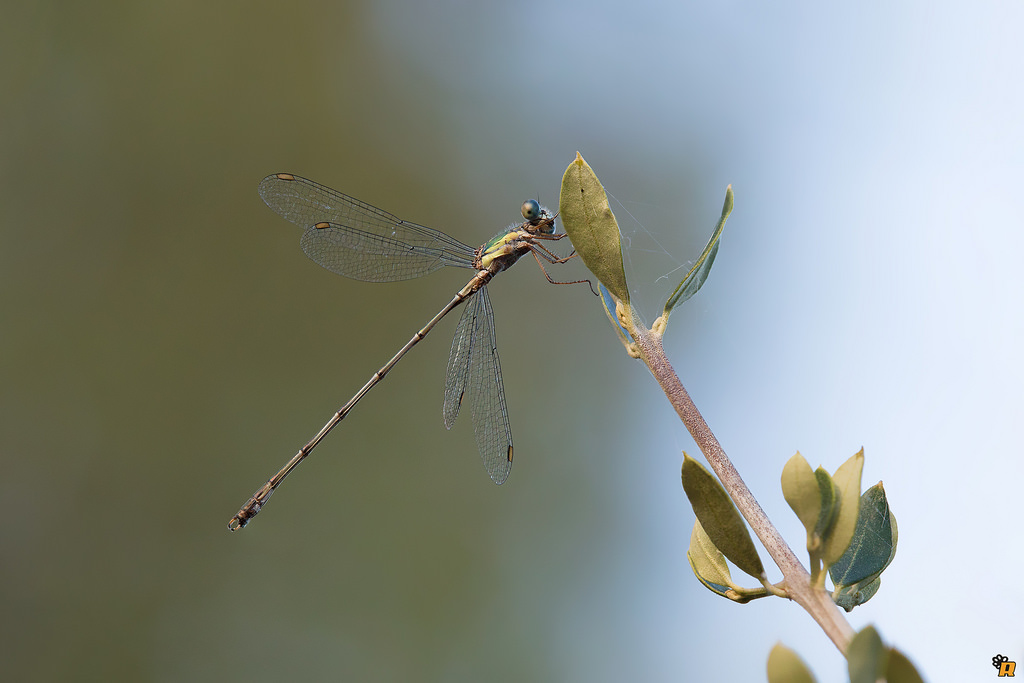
357	240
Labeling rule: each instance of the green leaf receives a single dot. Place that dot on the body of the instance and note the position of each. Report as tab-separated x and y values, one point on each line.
847	480
591	225
785	666
813	497
872	548
869	660
866	656
720	518
895	533
829	509
708	562
694	280
800	489
709	566
849	597
900	669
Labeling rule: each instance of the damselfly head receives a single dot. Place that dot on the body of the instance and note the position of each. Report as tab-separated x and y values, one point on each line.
539	218
532	210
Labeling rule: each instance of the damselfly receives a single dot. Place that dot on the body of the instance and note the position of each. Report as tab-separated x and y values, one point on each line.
354	239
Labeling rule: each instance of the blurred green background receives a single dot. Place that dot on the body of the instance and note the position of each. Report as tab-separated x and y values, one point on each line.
165	345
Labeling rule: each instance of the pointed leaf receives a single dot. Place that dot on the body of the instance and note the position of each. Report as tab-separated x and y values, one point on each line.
866	657
591	225
829	509
900	669
708	562
874	541
720	518
847	480
800	489
694	280
813	497
785	666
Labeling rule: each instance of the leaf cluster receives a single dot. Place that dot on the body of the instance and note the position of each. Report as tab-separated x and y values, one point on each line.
850	535
868	660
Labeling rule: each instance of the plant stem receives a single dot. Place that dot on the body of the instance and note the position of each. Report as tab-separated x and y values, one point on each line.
797	582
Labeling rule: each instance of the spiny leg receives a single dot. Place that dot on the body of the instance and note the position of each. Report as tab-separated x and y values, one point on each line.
556	282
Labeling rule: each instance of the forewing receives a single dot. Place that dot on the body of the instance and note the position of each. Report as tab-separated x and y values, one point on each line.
357	240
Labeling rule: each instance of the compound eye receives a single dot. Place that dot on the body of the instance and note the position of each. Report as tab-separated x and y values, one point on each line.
531	209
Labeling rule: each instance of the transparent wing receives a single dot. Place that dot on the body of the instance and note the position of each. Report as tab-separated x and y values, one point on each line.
357	240
458	361
473	365
487	395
